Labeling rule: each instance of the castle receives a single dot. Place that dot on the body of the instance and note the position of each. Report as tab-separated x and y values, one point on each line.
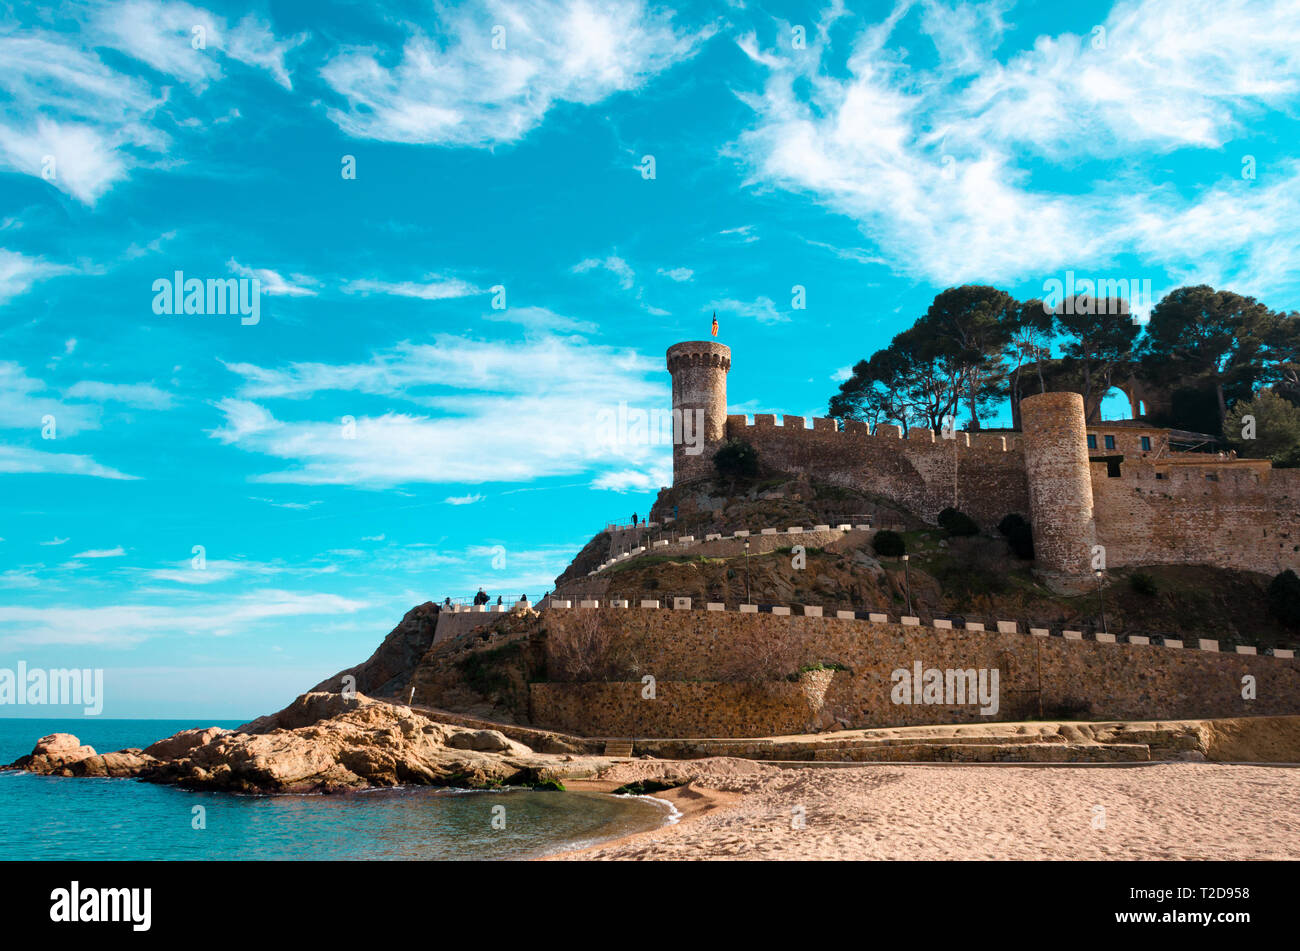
1101	495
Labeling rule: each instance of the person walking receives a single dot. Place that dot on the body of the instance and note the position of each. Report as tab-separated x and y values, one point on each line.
634	519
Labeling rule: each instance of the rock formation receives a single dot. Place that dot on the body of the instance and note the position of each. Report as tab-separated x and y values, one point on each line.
321	742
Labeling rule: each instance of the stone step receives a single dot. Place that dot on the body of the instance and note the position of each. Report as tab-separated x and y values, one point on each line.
618	748
994	752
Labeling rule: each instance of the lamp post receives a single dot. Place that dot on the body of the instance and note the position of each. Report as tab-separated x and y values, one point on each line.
1101	601
907	580
747	571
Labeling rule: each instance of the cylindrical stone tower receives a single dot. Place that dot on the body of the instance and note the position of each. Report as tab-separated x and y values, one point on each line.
699	371
1060	489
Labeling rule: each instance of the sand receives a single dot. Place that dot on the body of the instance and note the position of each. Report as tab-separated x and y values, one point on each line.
738	809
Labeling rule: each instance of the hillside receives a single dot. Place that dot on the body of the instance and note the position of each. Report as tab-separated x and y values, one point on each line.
975	578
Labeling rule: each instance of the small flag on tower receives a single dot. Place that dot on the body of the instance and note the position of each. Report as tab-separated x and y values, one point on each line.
715	323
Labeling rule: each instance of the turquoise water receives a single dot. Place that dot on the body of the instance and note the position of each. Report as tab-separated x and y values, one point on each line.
52	817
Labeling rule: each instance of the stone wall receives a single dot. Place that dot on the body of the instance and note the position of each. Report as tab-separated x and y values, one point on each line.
1053	675
679	709
1243	518
984	474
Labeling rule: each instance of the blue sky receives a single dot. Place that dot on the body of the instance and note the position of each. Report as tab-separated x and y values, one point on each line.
899	149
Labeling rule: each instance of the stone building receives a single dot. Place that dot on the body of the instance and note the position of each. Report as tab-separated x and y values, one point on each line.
1104	493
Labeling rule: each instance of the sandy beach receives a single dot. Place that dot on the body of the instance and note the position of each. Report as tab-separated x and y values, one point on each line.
739	809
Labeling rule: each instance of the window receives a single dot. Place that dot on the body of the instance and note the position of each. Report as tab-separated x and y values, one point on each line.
1146	443
1112	469
1110	442
1160	475
1092	441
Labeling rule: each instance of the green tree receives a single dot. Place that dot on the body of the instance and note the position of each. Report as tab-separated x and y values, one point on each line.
970	328
1275	428
1198	335
1099	336
1029	344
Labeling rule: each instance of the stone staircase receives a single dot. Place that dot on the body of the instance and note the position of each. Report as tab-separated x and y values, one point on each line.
1039	742
622	748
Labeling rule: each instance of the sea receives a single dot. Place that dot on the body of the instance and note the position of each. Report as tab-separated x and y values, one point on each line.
55	817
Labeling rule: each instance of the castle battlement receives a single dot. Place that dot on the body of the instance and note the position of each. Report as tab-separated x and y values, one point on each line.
1080	486
742	427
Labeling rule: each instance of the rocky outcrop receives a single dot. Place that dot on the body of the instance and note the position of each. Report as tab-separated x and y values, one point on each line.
319	743
388	670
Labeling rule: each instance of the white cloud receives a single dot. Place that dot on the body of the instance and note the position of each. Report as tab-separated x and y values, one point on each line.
139	395
162	35
117	552
18	272
23	405
634	480
56	540
463	499
614	265
508	411
127	624
272	283
70	119
934	163
433	288
15	459
842	374
763	309
455	89
678	274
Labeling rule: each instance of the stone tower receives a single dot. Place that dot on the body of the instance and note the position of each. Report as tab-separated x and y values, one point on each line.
1060	489
699	371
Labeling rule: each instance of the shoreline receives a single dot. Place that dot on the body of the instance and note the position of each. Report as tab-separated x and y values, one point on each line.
691	804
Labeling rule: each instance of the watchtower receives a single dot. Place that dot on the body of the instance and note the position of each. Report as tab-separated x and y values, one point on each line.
1060	488
699	371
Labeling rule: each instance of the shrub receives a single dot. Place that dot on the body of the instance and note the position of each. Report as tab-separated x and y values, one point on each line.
957	524
1284	598
736	459
1019	535
1142	583
889	544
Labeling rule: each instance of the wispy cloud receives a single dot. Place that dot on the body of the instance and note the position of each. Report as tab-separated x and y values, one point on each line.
935	163
762	309
453	87
16	459
273	283
18	272
463	499
139	395
117	552
507	411
432	288
614	265
130	623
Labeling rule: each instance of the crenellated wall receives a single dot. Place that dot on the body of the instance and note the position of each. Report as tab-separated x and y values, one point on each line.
981	474
1244	516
